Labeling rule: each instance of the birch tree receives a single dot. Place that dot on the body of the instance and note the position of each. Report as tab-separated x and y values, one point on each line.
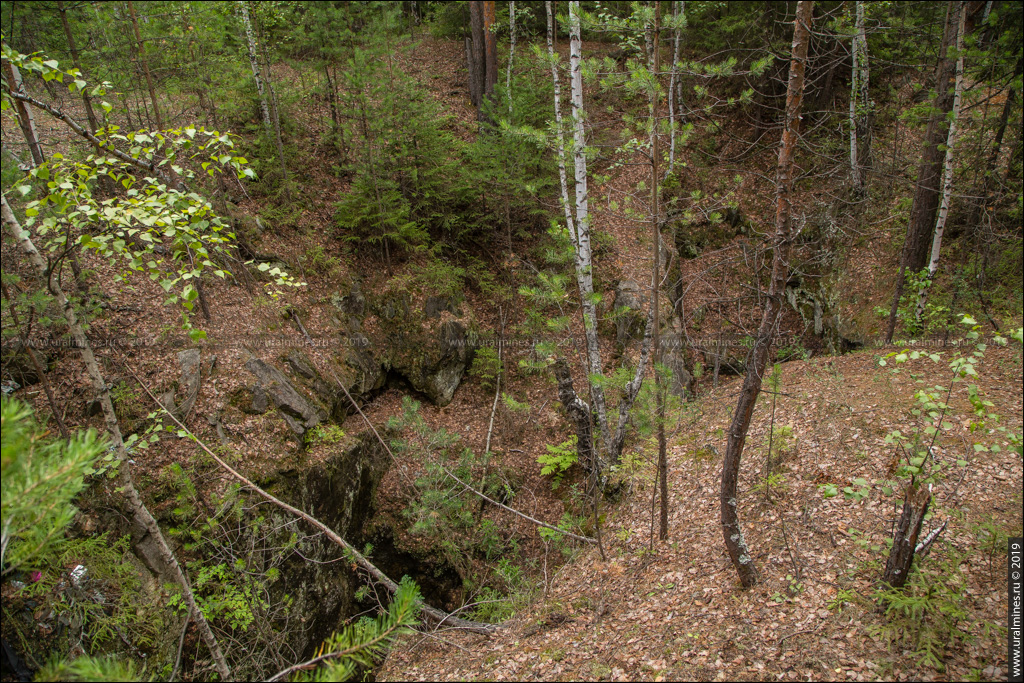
581	238
947	173
757	360
141	514
254	64
271	122
511	52
860	105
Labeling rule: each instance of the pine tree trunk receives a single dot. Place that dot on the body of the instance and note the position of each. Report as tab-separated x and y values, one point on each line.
475	53
145	67
140	512
659	391
25	118
584	262
757	360
90	114
490	49
947	176
926	193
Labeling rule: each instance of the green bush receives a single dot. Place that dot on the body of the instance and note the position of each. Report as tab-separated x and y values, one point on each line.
558	460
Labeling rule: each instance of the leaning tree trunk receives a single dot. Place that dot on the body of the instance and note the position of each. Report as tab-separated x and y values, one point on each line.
140	512
926	193
25	119
914	256
73	48
584	261
757	361
145	67
947	178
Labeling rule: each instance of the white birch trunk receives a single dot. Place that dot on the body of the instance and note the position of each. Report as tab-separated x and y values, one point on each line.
584	276
139	510
511	52
679	9
560	150
860	102
947	179
254	64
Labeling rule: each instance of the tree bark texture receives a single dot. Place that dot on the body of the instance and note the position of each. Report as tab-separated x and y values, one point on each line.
908	529
25	119
73	48
929	175
254	64
140	512
584	261
947	172
579	415
145	67
757	360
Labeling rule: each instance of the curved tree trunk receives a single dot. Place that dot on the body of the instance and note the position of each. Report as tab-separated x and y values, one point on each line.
140	512
757	361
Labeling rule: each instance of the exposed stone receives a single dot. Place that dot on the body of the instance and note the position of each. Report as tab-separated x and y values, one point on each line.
433	363
339	492
673	358
189	360
434	306
629	320
298	412
260	402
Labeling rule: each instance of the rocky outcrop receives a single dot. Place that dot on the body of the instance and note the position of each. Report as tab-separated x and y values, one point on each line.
692	239
274	388
433	359
189	361
673	358
428	345
629	318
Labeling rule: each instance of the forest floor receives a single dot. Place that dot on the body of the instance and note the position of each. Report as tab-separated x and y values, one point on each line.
677	611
